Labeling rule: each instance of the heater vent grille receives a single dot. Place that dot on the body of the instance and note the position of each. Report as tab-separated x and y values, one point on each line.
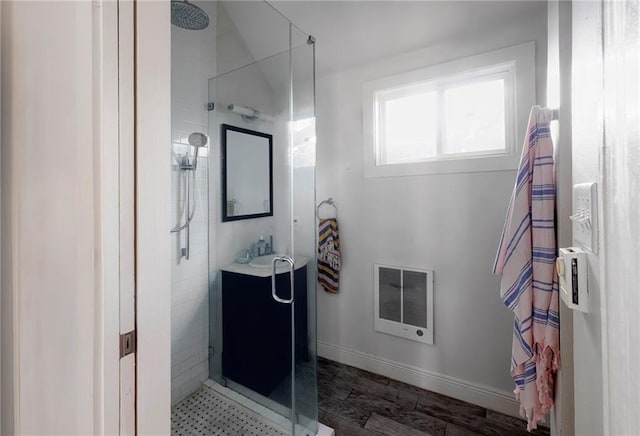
404	302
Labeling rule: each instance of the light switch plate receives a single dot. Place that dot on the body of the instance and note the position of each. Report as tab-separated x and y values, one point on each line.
585	216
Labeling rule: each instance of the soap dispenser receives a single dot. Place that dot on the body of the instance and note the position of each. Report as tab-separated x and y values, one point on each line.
270	244
262	246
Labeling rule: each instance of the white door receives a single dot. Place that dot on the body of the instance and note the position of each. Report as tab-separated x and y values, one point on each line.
144	54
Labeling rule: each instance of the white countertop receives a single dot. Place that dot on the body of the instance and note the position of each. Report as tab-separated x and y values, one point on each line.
246	269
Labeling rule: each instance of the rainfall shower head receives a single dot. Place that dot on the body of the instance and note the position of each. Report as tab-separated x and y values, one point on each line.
197	139
188	16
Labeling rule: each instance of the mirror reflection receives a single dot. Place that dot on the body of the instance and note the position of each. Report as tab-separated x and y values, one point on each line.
246	173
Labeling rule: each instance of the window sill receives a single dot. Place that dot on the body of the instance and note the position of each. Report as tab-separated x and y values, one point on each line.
451	166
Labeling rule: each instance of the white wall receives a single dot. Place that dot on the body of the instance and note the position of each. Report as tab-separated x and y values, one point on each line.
449	223
193	62
622	215
587	145
605	150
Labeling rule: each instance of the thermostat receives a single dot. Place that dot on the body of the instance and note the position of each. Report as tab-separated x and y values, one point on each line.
572	271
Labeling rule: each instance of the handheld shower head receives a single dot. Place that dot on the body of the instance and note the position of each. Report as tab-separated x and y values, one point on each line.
189	160
197	139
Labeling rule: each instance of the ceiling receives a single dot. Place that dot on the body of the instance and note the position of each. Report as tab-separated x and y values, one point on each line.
353	33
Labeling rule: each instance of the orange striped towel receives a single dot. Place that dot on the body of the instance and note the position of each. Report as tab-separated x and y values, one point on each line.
329	255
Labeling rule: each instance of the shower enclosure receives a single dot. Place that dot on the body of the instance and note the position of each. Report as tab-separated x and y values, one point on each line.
262	293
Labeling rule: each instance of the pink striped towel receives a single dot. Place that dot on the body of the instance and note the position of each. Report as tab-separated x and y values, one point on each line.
526	262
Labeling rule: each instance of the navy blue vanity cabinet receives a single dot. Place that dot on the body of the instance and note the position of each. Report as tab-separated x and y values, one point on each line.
256	335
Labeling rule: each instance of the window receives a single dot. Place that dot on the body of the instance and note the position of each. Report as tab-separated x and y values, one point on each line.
407	126
442	120
474	117
460	116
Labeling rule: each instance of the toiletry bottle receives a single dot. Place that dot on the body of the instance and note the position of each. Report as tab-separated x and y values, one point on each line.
262	249
271	250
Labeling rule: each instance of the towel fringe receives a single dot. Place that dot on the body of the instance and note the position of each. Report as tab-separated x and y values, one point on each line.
547	364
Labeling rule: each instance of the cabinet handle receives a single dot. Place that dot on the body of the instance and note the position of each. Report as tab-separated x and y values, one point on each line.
274	294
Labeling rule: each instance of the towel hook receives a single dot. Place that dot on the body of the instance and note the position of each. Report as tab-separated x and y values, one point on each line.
328	201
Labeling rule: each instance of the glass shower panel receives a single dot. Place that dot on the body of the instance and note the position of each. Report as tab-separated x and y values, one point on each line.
251	333
259	347
303	154
262	347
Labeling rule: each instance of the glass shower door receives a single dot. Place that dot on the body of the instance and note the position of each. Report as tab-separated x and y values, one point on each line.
263	314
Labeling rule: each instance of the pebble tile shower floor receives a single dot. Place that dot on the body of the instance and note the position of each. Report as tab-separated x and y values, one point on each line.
207	413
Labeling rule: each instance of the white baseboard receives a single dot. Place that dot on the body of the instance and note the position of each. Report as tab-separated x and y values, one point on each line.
483	396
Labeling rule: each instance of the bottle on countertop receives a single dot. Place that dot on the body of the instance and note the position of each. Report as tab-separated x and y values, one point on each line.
262	246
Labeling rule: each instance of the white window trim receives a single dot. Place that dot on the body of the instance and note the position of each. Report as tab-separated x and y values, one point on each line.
518	60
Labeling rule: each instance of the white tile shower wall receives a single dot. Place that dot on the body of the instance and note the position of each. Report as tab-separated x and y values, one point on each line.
193	62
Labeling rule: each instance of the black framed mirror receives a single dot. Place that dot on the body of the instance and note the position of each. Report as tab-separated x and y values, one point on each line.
247	173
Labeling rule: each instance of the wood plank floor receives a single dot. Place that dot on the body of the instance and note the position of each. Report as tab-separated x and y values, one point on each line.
356	402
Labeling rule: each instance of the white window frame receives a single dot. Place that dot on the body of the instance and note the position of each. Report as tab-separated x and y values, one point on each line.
515	64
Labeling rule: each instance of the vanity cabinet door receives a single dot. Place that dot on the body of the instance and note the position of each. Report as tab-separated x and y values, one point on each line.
257	330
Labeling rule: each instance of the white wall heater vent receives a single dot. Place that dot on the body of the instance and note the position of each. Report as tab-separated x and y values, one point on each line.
404	302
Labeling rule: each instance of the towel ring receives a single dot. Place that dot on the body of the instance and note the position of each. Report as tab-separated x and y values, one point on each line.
328	201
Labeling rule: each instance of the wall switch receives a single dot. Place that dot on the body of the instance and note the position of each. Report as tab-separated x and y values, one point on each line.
585	216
